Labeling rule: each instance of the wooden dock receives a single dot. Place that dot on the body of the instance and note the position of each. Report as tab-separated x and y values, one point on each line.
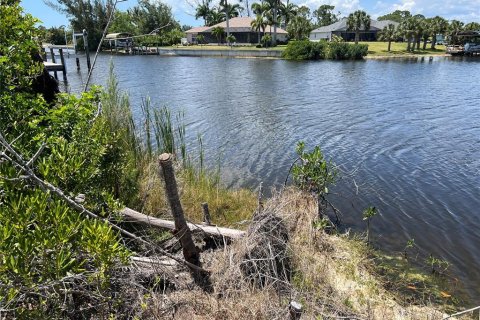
53	66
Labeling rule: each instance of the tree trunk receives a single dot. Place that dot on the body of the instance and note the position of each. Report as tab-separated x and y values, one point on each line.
274	40
227	18
409	44
389	45
182	232
434	42
424	44
357	36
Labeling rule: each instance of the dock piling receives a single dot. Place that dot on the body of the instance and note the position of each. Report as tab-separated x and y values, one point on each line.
53	60
87	51
62	59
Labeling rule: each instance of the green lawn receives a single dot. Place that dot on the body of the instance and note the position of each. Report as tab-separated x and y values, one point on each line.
399	49
375	49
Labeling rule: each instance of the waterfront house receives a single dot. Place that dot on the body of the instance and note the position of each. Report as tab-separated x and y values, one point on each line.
339	28
240	28
194	32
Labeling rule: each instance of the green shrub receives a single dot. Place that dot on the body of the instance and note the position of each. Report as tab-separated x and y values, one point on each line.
300	50
338	51
42	240
307	50
358	51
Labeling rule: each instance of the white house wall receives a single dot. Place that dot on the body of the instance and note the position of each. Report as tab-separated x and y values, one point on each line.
317	36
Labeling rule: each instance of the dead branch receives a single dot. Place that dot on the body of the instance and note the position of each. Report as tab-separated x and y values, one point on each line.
21	164
170	225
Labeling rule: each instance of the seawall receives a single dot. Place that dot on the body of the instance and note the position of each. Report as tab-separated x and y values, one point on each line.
222	53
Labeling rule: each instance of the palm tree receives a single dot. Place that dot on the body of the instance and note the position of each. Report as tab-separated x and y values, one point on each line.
203	11
357	21
418	30
472	26
438	25
407	28
288	11
233	10
214	17
453	29
274	4
389	33
218	32
259	23
259	8
299	27
224	5
426	31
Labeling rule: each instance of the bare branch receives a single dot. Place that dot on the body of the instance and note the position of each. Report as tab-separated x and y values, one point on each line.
36	155
21	164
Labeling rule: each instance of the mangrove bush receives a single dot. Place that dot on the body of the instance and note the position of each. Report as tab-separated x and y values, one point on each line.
308	50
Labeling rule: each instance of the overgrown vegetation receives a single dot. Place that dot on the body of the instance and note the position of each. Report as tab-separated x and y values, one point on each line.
307	50
43	242
57	263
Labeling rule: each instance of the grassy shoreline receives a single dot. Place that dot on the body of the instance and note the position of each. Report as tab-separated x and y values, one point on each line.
376	49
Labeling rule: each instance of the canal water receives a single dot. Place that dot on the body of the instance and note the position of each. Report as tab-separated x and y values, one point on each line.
406	134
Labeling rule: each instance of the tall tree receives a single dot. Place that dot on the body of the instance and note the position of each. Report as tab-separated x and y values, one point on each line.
358	21
123	22
224	5
91	15
389	33
287	10
472	26
418	30
232	10
407	28
299	28
453	29
259	23
426	31
438	25
274	5
203	10
325	16
151	16
397	16
215	17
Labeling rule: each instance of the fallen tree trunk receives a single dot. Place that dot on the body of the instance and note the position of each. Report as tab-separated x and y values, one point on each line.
166	224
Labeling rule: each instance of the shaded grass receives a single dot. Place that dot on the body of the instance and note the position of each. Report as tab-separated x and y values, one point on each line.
228	207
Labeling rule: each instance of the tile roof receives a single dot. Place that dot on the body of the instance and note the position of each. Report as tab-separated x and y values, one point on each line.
197	29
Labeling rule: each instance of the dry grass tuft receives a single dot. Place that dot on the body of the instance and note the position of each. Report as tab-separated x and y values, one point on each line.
284	258
228	207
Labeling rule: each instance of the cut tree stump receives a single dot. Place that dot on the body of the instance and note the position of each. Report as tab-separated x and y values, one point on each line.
181	231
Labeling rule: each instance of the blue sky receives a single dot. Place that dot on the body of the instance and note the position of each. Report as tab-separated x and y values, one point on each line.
464	10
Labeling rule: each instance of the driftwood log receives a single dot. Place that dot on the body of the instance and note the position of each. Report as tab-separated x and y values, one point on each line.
135	216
